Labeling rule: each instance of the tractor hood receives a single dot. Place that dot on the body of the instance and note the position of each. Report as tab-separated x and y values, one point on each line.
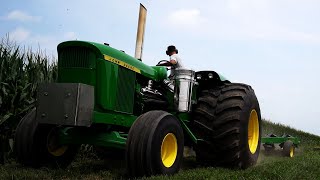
112	55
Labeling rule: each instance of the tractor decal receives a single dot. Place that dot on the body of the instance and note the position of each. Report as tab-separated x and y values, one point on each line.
121	63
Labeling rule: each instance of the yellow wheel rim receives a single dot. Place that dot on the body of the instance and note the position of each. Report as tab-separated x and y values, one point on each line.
53	145
169	150
253	131
291	151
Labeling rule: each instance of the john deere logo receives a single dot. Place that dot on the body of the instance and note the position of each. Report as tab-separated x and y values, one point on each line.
121	63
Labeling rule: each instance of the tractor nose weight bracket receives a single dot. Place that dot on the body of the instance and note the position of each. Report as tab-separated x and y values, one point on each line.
65	104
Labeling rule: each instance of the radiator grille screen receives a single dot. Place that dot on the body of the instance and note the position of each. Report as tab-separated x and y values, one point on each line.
125	90
77	57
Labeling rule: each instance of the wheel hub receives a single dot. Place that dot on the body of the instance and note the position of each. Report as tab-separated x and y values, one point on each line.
253	131
291	151
169	150
53	145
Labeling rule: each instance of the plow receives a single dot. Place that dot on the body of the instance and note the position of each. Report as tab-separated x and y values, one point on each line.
287	143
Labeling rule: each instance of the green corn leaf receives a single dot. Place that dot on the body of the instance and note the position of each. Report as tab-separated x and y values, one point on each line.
5	118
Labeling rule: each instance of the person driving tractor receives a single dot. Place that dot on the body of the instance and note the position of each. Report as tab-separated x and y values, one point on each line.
174	60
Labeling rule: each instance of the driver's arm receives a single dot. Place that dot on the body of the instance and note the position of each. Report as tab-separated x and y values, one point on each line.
173	61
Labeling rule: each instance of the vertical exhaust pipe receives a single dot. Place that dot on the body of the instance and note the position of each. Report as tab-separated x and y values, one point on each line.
140	32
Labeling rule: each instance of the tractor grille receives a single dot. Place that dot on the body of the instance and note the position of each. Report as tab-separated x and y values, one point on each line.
76	57
125	90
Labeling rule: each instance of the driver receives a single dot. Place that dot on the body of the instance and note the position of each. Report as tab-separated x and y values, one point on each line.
174	60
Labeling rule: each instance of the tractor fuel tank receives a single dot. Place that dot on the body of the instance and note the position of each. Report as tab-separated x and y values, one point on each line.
184	80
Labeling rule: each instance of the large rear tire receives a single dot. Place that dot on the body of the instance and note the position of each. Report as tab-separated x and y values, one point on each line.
154	145
37	145
228	120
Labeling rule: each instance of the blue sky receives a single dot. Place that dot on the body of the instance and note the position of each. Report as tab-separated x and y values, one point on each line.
273	45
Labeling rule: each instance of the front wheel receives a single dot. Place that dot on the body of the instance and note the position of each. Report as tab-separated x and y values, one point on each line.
154	145
37	145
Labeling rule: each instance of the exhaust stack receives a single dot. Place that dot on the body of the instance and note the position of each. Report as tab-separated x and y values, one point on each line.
140	32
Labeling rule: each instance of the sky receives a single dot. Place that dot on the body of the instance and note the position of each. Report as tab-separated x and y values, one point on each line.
272	45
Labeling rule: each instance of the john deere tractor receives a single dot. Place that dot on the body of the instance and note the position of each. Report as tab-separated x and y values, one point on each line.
109	99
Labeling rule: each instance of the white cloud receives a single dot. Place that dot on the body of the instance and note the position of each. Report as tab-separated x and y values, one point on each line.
186	17
17	15
70	36
46	42
19	34
248	20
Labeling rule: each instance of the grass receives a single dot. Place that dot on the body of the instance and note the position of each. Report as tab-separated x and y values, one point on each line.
305	165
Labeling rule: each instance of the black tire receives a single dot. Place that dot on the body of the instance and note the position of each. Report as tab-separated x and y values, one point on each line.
144	144
269	149
32	142
288	149
221	119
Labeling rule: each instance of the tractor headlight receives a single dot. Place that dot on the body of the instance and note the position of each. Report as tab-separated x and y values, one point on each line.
210	75
198	76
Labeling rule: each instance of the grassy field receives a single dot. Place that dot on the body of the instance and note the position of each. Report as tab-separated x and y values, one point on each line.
305	165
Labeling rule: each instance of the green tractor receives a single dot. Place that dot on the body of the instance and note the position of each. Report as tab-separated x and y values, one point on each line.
115	102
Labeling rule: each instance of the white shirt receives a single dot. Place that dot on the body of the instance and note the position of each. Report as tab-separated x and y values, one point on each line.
177	65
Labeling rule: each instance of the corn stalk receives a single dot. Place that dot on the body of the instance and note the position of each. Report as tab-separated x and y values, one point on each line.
21	70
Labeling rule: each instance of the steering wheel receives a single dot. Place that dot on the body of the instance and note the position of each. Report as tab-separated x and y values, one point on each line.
162	63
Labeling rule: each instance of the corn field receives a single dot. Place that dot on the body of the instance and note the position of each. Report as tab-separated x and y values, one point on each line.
21	70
